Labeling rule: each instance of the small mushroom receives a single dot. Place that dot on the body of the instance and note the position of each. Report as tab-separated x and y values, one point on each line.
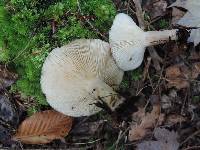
77	76
128	41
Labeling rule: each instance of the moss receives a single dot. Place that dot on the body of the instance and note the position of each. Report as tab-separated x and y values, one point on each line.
136	74
27	36
163	24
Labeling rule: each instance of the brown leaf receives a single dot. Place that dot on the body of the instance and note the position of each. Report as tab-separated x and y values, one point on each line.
174	119
156	8
176	15
194	55
173	71
179	75
7	78
43	127
166	140
144	122
195	70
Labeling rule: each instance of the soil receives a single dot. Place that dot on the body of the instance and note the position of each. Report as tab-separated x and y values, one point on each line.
179	98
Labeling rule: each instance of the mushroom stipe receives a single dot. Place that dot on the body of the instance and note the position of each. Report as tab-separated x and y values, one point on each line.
80	78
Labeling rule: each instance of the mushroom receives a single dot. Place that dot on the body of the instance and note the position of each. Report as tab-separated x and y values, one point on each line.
77	76
80	77
128	41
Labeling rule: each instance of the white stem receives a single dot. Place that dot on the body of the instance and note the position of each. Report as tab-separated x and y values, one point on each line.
159	37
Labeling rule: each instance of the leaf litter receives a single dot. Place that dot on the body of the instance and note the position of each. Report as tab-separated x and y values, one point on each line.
173	89
191	18
180	75
7	78
165	140
43	127
143	121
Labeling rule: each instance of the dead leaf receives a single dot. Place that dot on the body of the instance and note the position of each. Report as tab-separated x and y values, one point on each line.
156	8
177	14
43	127
5	137
174	119
144	122
167	100
166	140
173	71
7	78
179	75
194	55
195	70
191	18
8	111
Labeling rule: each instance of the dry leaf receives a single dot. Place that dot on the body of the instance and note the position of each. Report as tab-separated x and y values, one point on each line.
166	140
43	127
8	111
7	78
177	14
179	75
191	18
144	122
194	55
174	119
5	137
195	70
156	8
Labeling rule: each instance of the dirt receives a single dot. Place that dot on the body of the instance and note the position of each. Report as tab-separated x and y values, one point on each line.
176	85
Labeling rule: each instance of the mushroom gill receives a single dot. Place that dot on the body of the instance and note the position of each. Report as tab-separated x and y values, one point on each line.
128	41
78	75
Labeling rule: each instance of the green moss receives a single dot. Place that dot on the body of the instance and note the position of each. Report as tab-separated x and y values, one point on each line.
26	33
136	74
163	23
32	110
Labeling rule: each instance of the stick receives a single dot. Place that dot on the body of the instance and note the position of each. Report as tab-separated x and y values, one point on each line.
154	55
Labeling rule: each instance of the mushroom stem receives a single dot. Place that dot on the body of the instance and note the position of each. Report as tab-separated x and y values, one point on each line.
159	37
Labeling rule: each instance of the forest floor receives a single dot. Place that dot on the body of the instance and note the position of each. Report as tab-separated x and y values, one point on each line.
165	90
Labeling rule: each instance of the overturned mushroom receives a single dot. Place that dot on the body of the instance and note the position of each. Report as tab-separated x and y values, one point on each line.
76	76
128	41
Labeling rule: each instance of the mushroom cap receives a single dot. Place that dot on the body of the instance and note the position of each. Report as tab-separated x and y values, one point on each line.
127	42
76	75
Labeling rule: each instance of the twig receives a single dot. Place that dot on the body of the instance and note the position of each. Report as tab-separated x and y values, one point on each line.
91	142
139	13
128	6
179	78
146	69
86	19
140	90
192	147
189	137
150	80
159	80
120	136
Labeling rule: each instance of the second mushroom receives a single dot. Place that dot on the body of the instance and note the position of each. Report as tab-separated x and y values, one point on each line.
84	72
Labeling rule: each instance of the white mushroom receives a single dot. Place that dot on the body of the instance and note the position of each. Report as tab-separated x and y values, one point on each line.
74	78
128	41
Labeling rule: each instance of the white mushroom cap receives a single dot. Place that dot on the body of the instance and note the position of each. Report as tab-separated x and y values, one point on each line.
128	41
76	75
